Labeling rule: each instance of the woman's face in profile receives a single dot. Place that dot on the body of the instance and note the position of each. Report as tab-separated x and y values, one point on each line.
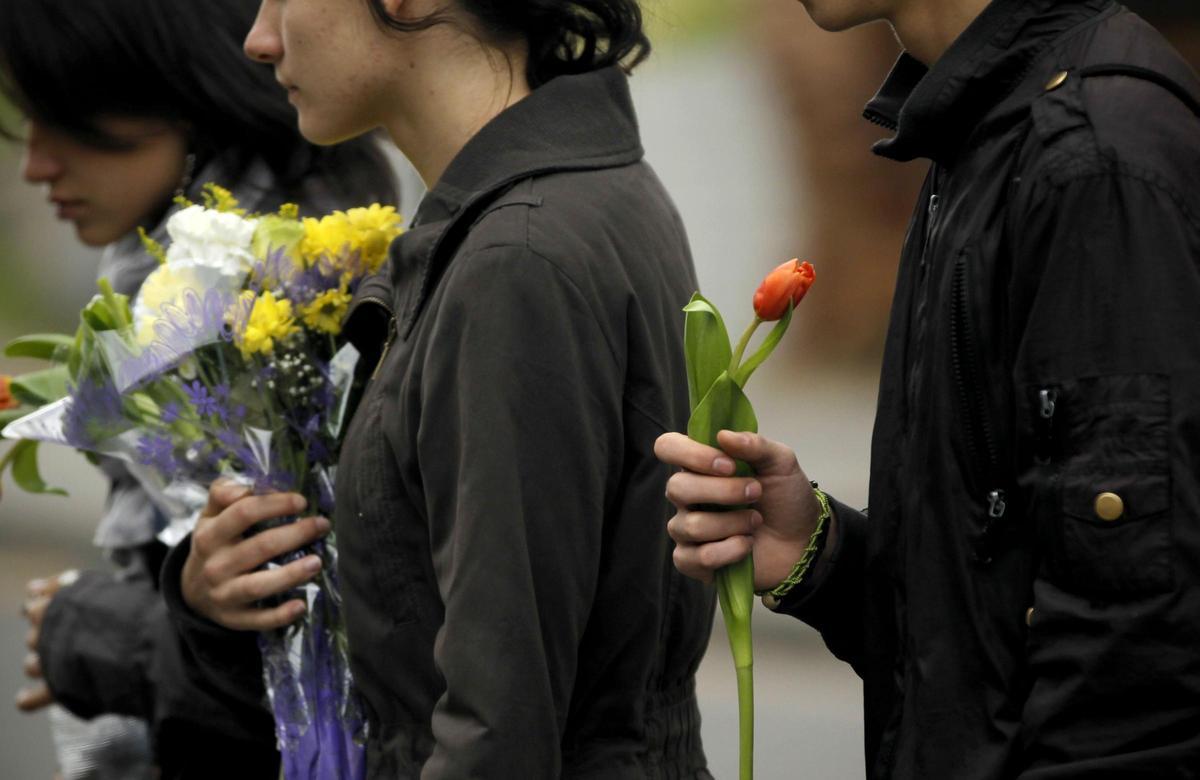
104	192
334	61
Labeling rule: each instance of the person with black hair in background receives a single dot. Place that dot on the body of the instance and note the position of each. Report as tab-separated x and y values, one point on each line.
510	603
127	105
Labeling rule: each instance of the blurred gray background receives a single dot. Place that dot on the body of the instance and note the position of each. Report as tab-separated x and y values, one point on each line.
718	127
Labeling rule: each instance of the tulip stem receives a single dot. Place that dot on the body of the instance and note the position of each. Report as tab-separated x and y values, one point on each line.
742	344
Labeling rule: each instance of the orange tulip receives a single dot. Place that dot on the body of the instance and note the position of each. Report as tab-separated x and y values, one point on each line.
788	282
6	397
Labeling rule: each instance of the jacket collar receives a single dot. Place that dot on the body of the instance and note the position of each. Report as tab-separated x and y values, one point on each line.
571	123
933	111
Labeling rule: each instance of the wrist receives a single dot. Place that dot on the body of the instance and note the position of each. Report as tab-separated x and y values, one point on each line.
809	557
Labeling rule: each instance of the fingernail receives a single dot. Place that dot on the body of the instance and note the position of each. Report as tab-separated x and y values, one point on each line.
723	465
312	565
299	503
753	491
755	520
323	525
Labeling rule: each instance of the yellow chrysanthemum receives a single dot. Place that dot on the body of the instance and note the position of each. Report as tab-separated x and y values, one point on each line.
270	320
375	227
328	236
327	311
363	232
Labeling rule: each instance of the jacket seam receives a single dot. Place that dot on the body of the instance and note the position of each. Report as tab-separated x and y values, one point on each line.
560	272
1058	177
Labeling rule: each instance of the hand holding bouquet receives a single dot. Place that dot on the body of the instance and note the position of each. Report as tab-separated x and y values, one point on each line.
226	365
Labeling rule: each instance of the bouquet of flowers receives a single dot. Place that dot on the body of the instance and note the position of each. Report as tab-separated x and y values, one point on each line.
717	374
226	364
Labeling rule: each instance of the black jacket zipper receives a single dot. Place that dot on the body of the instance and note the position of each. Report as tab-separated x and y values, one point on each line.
980	435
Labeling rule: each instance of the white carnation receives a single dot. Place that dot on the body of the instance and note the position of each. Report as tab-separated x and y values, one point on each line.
211	239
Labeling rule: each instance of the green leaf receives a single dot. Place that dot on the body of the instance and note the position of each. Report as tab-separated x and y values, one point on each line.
43	346
742	375
725	407
23	459
11	415
41	387
705	345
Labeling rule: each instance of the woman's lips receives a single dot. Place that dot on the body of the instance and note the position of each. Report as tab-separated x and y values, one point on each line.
69	209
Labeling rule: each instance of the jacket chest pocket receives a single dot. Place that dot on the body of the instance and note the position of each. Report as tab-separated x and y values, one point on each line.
1102	467
380	520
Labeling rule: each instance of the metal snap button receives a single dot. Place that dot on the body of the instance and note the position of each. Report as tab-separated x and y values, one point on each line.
1109	506
1057	80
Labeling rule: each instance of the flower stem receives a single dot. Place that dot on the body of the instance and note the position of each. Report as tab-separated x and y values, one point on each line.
742	344
745	686
735	591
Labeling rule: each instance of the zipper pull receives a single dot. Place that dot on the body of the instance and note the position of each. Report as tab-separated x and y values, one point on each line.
386	346
1049	398
1044	441
996	504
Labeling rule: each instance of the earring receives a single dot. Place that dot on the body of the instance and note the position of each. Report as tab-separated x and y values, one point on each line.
189	170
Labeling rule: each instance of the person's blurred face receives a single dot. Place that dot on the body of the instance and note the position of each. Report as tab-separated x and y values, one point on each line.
332	58
107	193
835	15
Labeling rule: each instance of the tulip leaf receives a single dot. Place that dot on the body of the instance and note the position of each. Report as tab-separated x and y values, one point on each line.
724	407
41	387
22	457
742	375
42	346
706	347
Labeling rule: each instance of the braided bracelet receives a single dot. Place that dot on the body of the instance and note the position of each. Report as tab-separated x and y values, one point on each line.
816	542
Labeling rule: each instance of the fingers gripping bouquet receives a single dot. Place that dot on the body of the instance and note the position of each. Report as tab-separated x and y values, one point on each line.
227	365
717	375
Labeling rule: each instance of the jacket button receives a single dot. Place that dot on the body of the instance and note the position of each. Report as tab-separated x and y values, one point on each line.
1029	616
1057	80
1109	506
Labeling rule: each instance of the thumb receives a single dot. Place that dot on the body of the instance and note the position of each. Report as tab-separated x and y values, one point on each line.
768	458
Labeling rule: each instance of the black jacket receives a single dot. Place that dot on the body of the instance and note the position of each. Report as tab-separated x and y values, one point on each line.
510	601
1044	349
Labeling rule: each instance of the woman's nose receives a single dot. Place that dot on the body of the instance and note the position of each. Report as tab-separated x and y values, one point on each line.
263	43
39	163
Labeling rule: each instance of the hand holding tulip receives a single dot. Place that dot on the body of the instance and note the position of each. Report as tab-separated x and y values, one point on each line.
716	543
777	524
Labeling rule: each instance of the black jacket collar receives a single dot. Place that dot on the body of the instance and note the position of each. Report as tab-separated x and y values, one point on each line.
572	123
934	111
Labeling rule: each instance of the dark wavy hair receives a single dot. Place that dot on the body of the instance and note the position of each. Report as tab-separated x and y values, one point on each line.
564	36
68	63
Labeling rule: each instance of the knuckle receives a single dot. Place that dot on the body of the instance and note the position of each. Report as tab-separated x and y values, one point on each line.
211	572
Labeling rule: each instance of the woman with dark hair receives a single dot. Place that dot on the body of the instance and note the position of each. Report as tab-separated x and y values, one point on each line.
128	104
510	602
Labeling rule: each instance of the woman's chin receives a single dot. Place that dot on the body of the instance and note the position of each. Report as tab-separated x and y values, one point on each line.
326	133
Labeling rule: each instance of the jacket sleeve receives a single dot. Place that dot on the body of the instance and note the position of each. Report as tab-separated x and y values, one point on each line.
518	450
831	602
96	645
1107	388
211	710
